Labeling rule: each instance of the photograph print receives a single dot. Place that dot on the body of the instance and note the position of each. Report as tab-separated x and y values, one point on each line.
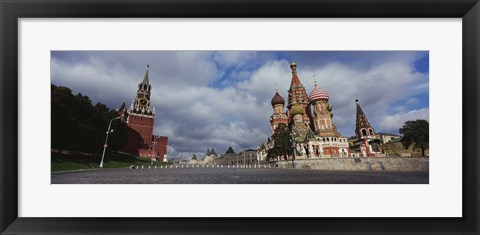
239	117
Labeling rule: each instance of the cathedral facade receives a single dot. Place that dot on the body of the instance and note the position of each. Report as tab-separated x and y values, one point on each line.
309	118
140	118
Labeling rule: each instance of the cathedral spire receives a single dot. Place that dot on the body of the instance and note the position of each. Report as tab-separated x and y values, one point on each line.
295	80
363	129
359	109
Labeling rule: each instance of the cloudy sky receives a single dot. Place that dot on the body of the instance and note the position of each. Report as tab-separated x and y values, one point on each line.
206	99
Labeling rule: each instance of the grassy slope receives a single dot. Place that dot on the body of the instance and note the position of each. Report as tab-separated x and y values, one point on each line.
398	147
75	161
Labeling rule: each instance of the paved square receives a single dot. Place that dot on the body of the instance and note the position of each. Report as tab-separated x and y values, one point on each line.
225	175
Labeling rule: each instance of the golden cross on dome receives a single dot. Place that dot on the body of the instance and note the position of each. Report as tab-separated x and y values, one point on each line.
314	79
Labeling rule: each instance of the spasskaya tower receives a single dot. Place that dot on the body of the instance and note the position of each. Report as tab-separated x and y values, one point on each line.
140	118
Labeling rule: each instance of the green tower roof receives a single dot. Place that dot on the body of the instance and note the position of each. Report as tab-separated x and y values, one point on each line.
297	110
145	78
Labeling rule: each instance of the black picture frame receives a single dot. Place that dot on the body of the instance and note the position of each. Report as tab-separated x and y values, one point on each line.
11	11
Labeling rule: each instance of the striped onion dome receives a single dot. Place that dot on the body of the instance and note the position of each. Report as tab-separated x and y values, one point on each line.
297	110
318	94
277	99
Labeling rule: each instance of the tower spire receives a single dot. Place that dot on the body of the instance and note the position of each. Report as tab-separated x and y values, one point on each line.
295	80
363	129
122	107
359	110
146	78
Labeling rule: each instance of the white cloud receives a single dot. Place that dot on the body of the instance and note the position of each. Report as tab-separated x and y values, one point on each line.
391	123
233	58
412	100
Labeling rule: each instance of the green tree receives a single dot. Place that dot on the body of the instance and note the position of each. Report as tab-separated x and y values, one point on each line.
282	143
415	133
376	144
80	126
62	120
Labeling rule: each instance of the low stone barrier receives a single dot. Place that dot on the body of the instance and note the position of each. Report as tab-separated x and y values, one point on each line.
362	164
341	164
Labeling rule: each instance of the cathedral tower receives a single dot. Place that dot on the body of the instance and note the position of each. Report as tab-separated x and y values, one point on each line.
322	113
297	95
278	115
299	126
363	129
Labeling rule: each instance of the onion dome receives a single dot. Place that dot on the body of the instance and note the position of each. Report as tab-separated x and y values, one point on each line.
277	99
297	110
318	94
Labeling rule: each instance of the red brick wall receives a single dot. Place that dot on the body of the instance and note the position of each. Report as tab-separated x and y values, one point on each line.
146	153
140	134
133	143
162	142
144	126
330	150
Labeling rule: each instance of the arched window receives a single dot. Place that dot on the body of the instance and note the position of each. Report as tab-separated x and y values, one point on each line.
371	131
364	132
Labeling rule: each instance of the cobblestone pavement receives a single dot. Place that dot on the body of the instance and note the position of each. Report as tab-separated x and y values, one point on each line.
235	176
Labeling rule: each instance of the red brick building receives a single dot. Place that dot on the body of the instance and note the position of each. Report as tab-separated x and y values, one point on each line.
140	119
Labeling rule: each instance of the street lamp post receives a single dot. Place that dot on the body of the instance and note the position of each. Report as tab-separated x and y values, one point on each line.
106	140
153	146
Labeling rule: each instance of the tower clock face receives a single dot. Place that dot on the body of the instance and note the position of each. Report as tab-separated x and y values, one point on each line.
143	101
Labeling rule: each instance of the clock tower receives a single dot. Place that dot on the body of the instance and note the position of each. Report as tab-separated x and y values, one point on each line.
140	119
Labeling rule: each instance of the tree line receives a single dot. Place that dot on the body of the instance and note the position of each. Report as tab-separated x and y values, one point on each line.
78	125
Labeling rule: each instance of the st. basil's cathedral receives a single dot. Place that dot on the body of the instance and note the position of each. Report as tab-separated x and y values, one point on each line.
309	118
